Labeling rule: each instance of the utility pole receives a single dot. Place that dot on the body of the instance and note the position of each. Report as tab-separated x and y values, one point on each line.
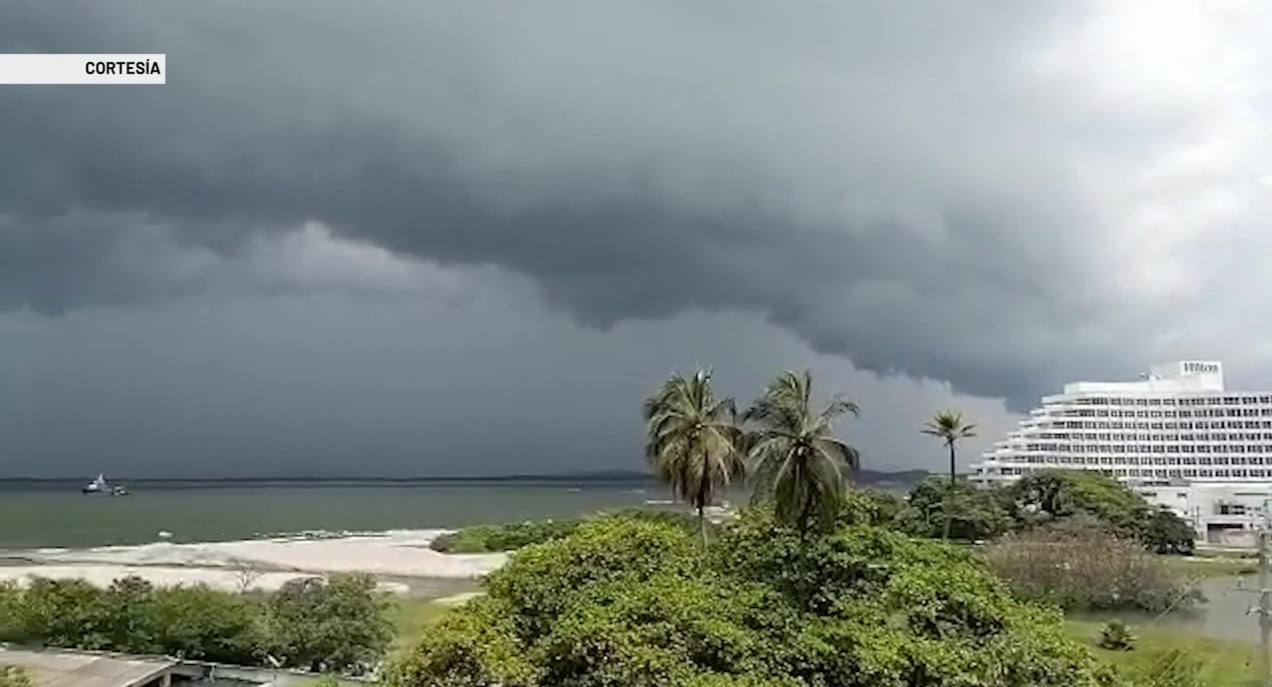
1264	609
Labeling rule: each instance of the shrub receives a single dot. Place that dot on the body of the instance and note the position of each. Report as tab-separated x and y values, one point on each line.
1116	636
1080	566
972	514
15	676
633	603
502	537
869	507
338	623
515	535
1167	533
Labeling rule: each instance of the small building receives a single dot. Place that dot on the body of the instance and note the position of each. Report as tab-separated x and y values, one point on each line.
1220	514
65	668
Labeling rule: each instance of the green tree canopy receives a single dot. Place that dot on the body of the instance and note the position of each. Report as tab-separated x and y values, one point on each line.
936	508
1053	494
1168	533
629	603
333	623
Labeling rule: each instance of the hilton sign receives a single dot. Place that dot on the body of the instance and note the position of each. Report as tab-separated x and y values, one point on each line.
1201	368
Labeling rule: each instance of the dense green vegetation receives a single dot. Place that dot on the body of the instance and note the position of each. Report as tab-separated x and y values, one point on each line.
629	602
511	536
335	624
1039	500
503	536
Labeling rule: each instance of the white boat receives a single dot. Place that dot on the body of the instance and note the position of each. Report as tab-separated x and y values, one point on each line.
99	486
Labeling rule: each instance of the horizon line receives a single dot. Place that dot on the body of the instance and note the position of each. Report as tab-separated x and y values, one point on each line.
598	474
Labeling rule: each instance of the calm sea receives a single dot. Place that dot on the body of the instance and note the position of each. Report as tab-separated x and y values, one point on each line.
58	515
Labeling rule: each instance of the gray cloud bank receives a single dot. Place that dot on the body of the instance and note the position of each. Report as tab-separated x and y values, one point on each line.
961	192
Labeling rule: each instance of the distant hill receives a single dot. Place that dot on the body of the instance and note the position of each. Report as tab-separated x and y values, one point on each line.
906	477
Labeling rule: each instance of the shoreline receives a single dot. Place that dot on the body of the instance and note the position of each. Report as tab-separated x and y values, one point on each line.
400	559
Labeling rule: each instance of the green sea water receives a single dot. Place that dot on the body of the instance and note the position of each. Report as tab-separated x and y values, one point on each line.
59	516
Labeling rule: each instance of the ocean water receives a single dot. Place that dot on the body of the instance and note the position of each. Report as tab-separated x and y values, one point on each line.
57	515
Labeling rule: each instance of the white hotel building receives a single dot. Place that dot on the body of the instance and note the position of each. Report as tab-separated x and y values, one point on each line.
1177	435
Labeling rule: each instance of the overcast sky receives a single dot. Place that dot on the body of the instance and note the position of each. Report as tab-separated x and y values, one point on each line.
404	238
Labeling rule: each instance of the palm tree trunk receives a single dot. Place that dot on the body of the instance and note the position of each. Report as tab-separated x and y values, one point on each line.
702	508
949	494
802	589
702	526
953	475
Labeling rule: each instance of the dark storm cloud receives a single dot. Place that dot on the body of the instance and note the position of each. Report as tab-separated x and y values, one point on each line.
881	179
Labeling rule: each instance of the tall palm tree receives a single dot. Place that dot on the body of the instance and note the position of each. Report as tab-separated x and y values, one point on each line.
949	427
798	462
693	440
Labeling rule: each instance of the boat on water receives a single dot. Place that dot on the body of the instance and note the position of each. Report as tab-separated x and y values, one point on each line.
100	487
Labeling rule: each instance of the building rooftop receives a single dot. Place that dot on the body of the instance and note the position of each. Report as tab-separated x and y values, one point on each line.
58	669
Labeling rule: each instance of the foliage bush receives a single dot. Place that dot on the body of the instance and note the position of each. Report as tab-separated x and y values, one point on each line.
502	536
1116	636
862	506
973	514
1054	495
15	676
626	602
339	623
511	536
1080	565
329	624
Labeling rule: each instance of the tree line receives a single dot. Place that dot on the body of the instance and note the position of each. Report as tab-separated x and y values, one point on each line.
698	443
337	624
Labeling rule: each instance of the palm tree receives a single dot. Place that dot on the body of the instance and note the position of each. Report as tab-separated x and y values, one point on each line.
798	462
692	440
949	427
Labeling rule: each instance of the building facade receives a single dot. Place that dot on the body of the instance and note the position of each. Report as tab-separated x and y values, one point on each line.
1177	435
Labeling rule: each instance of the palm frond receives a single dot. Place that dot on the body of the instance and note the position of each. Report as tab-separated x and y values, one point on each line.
692	438
797	462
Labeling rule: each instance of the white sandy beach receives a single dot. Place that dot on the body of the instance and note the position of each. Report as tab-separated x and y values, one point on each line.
223	565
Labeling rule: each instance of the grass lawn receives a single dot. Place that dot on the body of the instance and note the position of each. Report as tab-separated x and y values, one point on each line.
411	617
1212	563
1226	663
